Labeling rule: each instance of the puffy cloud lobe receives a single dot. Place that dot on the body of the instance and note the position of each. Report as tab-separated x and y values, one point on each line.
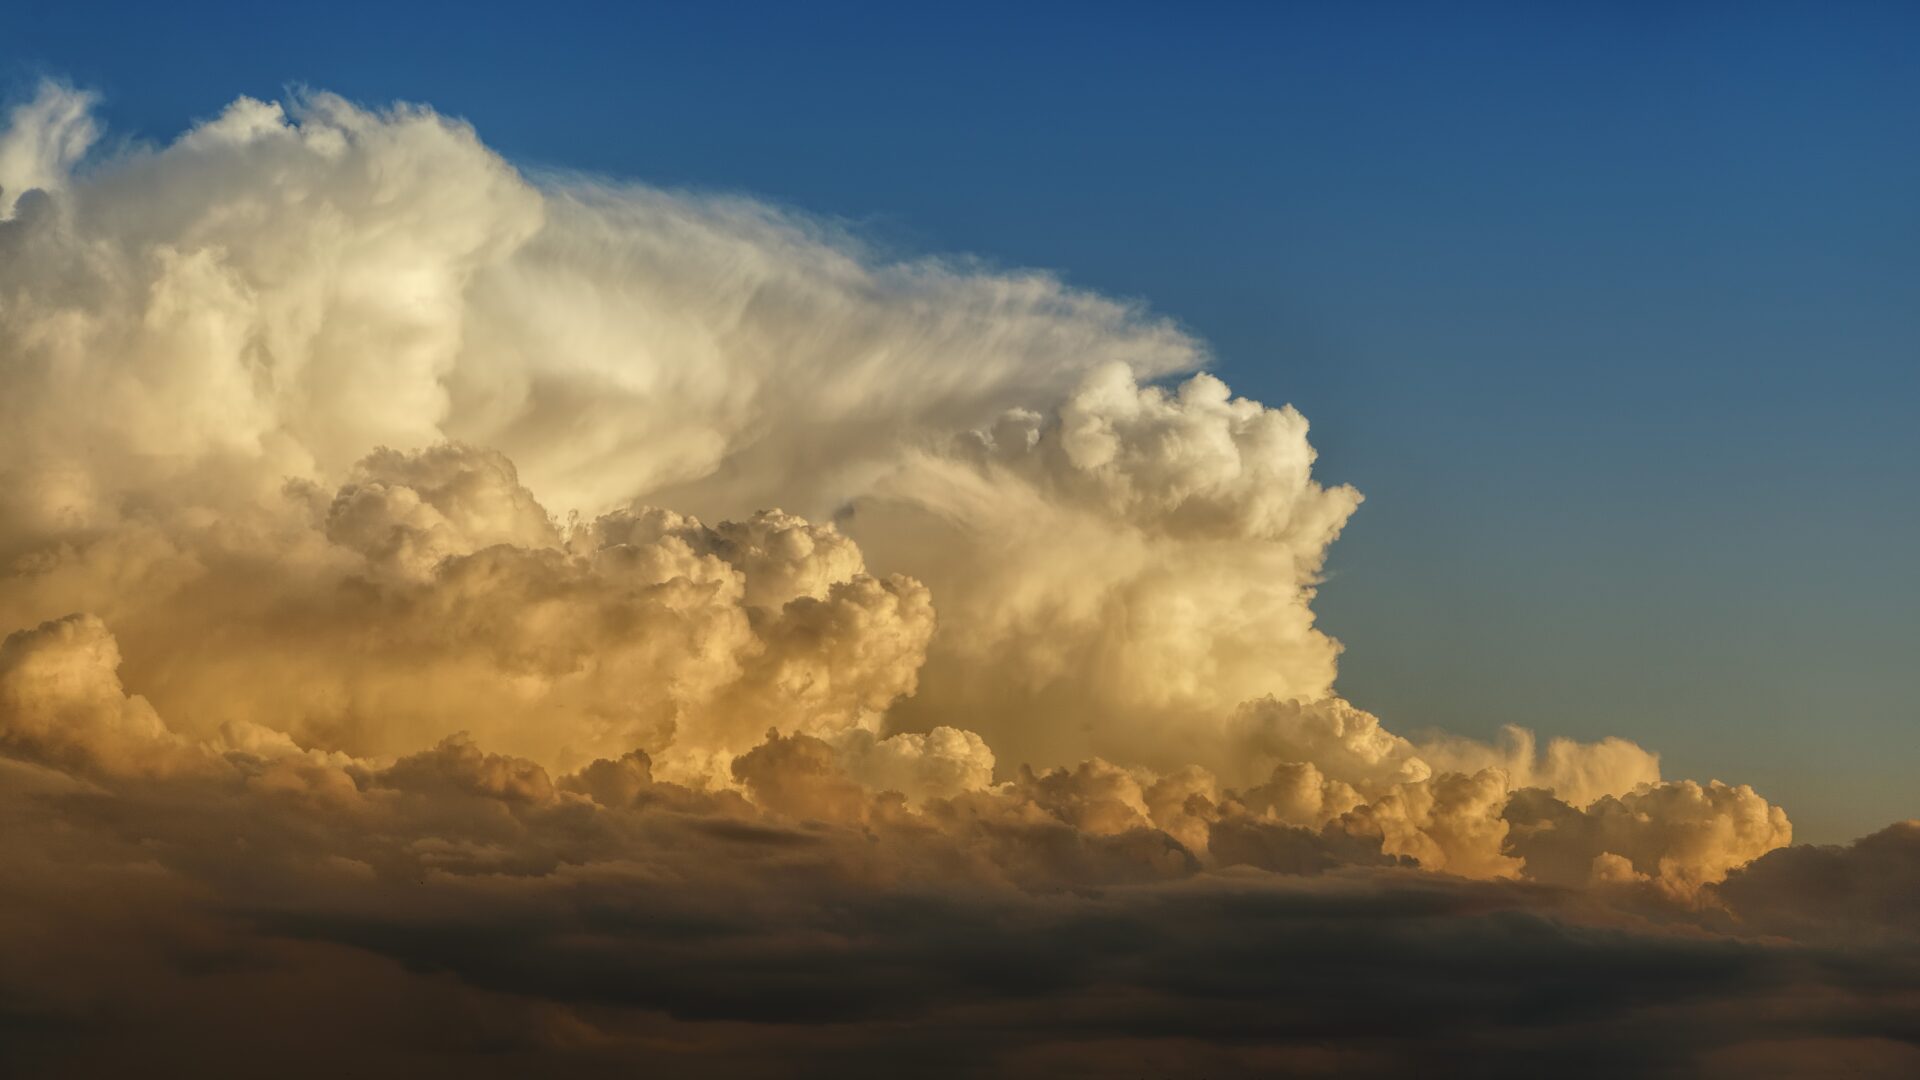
1096	797
1681	834
1300	794
801	776
61	702
1577	772
1132	566
458	765
1195	462
838	662
939	764
782	557
1449	822
406	512
1351	745
615	784
1345	744
1583	811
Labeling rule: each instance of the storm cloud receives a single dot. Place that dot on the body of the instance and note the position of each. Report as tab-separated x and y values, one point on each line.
463	622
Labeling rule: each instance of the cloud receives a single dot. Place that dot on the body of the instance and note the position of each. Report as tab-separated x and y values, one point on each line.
1683	834
1132	567
551	626
61	702
606	919
1869	889
407	512
276	293
43	139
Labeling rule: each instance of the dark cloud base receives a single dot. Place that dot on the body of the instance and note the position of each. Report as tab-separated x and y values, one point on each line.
234	930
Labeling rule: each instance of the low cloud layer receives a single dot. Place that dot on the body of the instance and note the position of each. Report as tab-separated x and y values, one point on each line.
557	627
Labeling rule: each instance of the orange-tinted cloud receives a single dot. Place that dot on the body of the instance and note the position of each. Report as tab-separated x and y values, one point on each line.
550	626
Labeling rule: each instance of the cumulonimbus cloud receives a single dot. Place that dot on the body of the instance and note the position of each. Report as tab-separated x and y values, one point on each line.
403	551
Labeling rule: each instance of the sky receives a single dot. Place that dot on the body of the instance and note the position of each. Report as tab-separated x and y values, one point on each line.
1614	316
1269	539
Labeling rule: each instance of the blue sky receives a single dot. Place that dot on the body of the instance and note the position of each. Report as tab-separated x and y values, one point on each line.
1614	316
